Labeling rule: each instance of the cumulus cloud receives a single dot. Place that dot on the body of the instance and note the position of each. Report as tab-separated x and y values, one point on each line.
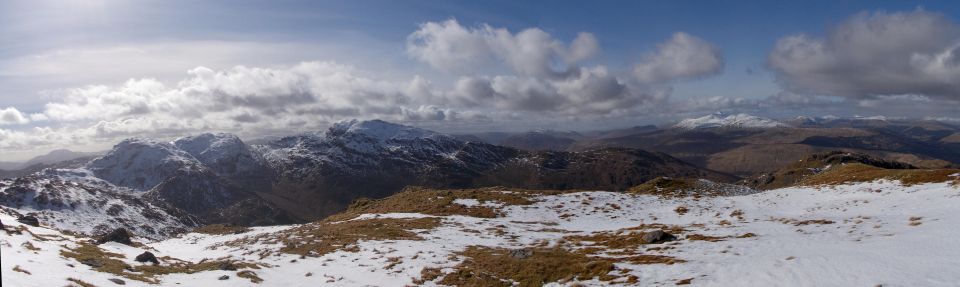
12	116
683	56
452	47
870	54
545	79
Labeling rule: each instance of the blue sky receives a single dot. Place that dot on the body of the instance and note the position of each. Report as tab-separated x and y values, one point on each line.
61	61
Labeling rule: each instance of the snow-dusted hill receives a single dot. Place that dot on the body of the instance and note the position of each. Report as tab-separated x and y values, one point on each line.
865	234
74	201
728	121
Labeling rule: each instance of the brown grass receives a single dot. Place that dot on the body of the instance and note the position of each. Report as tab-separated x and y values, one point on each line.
221	229
112	263
29	246
700	237
80	282
855	172
250	275
439	202
21	270
663	186
427	275
319	238
813	221
486	266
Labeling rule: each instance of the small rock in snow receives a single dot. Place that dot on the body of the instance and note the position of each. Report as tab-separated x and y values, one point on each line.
119	235
224	277
657	236
29	220
147	256
228	266
117	281
92	262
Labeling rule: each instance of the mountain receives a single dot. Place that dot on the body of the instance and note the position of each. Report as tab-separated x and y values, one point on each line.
748	151
720	120
319	174
542	140
217	178
12	169
78	202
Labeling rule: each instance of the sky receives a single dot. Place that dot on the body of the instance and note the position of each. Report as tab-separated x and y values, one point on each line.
84	74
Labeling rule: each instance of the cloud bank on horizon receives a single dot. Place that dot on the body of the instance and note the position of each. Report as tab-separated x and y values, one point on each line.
492	75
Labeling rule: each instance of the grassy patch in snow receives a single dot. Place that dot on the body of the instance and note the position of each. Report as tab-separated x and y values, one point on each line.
856	172
664	186
80	282
319	238
109	262
441	202
485	266
221	229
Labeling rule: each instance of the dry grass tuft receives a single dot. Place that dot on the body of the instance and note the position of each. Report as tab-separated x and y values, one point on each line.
250	275
319	238
80	282
21	270
221	229
486	266
708	238
109	262
856	172
664	186
439	202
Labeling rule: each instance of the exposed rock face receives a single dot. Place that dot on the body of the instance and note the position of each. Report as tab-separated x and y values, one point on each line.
816	163
147	256
29	220
119	235
84	204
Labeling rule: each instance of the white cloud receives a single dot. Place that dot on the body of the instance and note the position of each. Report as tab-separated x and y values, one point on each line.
532	52
873	54
545	80
683	56
12	116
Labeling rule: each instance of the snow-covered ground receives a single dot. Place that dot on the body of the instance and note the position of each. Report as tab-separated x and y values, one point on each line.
867	234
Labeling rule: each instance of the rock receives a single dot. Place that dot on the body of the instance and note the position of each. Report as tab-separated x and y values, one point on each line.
92	262
228	266
224	277
147	256
29	220
117	281
119	235
521	253
657	236
1	226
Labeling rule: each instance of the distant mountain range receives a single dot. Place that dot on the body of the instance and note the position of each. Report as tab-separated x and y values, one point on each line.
217	178
55	156
745	145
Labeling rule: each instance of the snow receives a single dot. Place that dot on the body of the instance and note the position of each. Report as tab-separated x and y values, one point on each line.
722	120
882	233
381	130
86	205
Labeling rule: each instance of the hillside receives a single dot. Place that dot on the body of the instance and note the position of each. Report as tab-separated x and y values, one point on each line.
492	237
728	145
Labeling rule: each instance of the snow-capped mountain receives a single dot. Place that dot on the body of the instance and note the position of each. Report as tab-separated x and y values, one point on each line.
217	178
718	120
73	201
141	164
